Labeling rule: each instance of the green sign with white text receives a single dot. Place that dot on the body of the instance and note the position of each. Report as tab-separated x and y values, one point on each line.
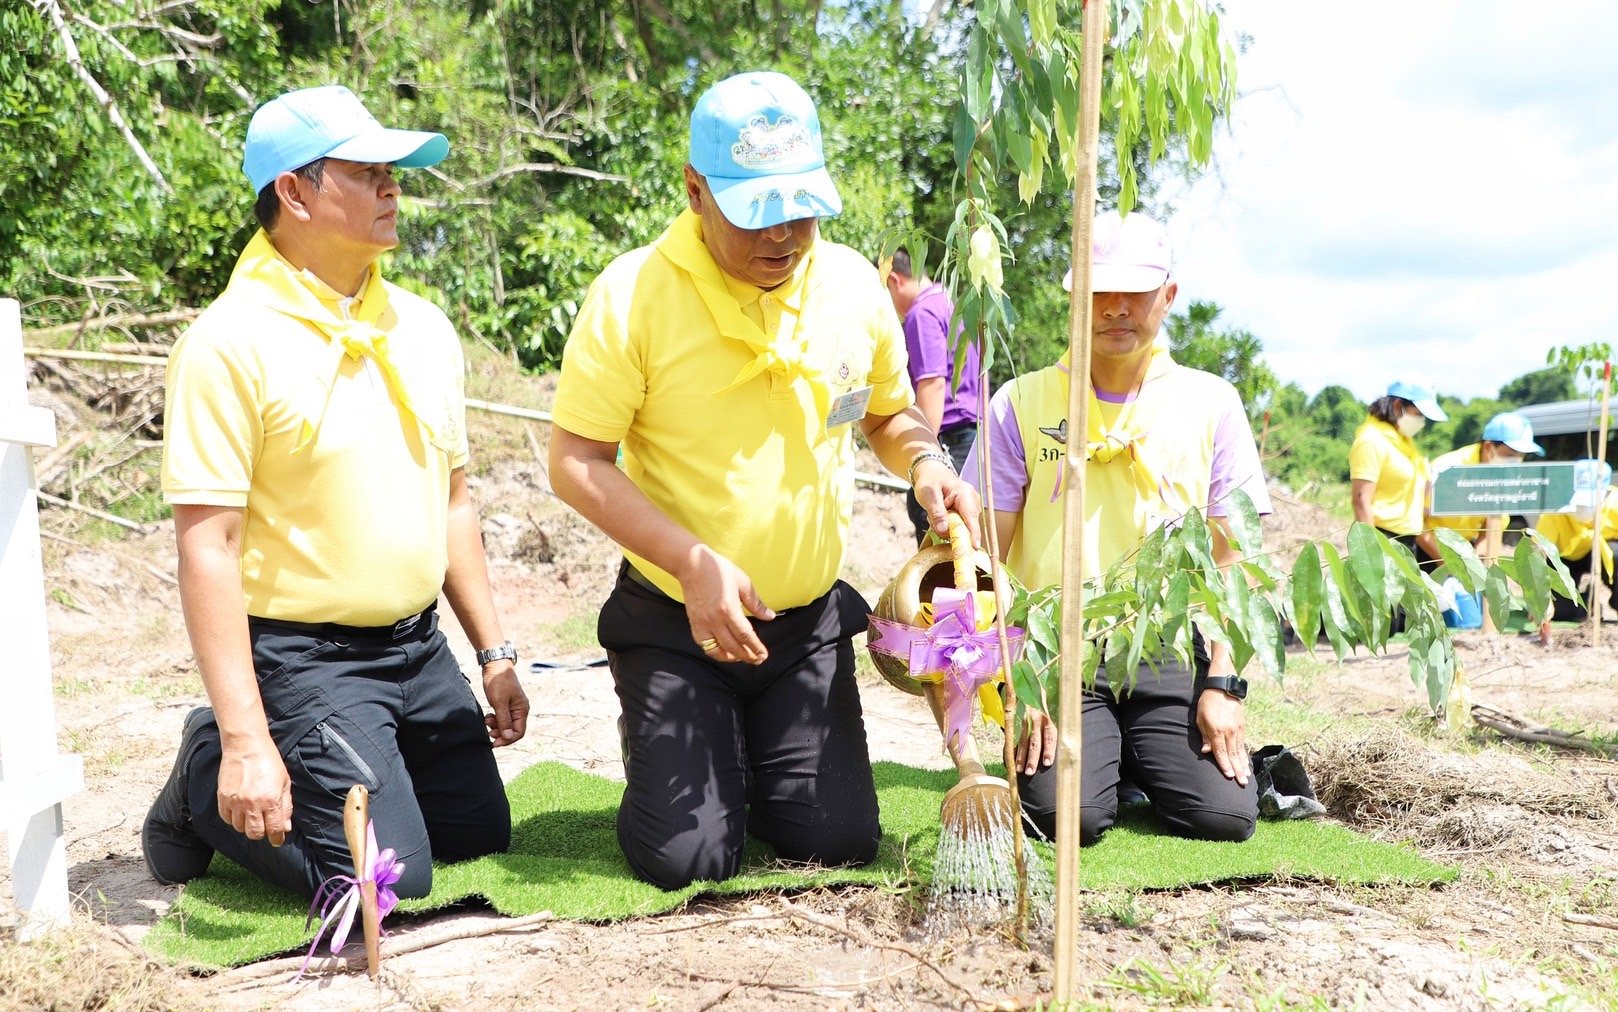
1485	489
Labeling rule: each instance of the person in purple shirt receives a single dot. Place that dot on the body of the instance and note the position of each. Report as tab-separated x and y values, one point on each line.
951	410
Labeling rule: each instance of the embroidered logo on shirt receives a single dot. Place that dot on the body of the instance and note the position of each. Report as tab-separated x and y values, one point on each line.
1056	432
763	145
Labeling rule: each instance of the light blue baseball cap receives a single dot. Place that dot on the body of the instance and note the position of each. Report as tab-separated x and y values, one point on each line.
1514	430
1419	394
289	132
756	138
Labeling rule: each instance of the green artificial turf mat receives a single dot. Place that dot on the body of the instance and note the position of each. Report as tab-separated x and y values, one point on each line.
564	858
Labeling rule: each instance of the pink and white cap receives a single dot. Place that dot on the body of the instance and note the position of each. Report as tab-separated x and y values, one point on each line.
1128	253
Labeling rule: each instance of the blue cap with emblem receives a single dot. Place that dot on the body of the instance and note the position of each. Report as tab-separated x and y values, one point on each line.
755	137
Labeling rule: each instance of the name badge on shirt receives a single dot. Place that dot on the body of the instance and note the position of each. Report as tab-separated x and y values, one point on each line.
848	407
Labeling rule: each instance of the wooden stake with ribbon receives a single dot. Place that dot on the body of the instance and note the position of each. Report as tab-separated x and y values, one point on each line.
356	817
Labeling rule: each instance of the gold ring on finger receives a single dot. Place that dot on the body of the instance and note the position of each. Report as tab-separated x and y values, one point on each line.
709	645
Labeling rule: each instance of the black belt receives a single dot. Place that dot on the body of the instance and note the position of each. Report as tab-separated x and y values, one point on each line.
409	625
642	579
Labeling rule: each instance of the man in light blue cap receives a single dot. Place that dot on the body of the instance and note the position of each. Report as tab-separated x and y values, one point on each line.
1507	438
731	360
315	456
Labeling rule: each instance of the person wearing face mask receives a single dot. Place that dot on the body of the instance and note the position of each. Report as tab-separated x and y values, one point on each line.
1388	474
1507	438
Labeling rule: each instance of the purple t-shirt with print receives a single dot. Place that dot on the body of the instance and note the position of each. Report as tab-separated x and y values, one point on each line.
927	329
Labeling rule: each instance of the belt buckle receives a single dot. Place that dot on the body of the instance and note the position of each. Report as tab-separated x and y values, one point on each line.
402	627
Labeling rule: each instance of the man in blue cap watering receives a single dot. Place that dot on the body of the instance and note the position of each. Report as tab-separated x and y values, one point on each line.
315	456
731	360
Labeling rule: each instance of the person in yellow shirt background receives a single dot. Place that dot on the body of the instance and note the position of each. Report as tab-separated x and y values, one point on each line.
1507	439
1573	534
1388	474
731	360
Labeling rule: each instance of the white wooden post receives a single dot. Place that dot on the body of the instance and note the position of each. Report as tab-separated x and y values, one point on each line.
34	777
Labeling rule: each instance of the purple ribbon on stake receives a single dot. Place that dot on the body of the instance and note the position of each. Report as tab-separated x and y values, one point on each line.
342	904
950	650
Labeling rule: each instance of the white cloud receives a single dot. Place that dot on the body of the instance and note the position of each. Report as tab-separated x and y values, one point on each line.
1428	189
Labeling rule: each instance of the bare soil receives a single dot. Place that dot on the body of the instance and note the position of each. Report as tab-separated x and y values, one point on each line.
1529	924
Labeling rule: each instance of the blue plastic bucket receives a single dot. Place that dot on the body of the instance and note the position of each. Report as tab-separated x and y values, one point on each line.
1470	609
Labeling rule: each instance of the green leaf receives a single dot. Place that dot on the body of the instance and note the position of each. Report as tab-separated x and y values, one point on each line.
1532	578
1242	517
1497	594
1459	558
1368	563
1176	606
978	76
1308	593
1265	628
1042	630
965	135
1028	687
1196	541
1350	617
1561	580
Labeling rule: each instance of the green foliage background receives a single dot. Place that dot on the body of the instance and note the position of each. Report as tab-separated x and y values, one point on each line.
568	128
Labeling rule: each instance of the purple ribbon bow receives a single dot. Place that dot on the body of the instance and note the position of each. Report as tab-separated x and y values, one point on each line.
951	646
340	904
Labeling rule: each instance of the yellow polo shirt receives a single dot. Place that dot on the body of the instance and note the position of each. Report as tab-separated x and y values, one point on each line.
1573	537
1386	457
348	524
731	443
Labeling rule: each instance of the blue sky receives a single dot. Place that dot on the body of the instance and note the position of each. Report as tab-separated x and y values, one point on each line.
1427	189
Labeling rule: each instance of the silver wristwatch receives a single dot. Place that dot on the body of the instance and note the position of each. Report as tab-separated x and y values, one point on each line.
503	652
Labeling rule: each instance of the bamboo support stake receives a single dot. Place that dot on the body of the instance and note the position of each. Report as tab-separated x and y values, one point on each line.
1069	723
1597	535
356	816
1491	551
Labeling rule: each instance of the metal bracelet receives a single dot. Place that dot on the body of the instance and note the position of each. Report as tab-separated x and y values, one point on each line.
938	455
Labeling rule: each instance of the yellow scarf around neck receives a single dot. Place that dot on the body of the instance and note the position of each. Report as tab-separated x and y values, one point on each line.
786	356
268	278
1121	440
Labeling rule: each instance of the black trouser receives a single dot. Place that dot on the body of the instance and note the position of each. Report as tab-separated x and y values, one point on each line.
714	751
350	707
1147	735
957	442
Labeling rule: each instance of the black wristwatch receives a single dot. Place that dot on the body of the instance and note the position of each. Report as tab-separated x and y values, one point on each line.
505	651
1234	686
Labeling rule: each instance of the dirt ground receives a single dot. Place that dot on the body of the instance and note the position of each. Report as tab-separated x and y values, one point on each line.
1529	924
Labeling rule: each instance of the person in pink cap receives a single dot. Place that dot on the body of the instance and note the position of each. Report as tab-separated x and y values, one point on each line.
315	456
1162	439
